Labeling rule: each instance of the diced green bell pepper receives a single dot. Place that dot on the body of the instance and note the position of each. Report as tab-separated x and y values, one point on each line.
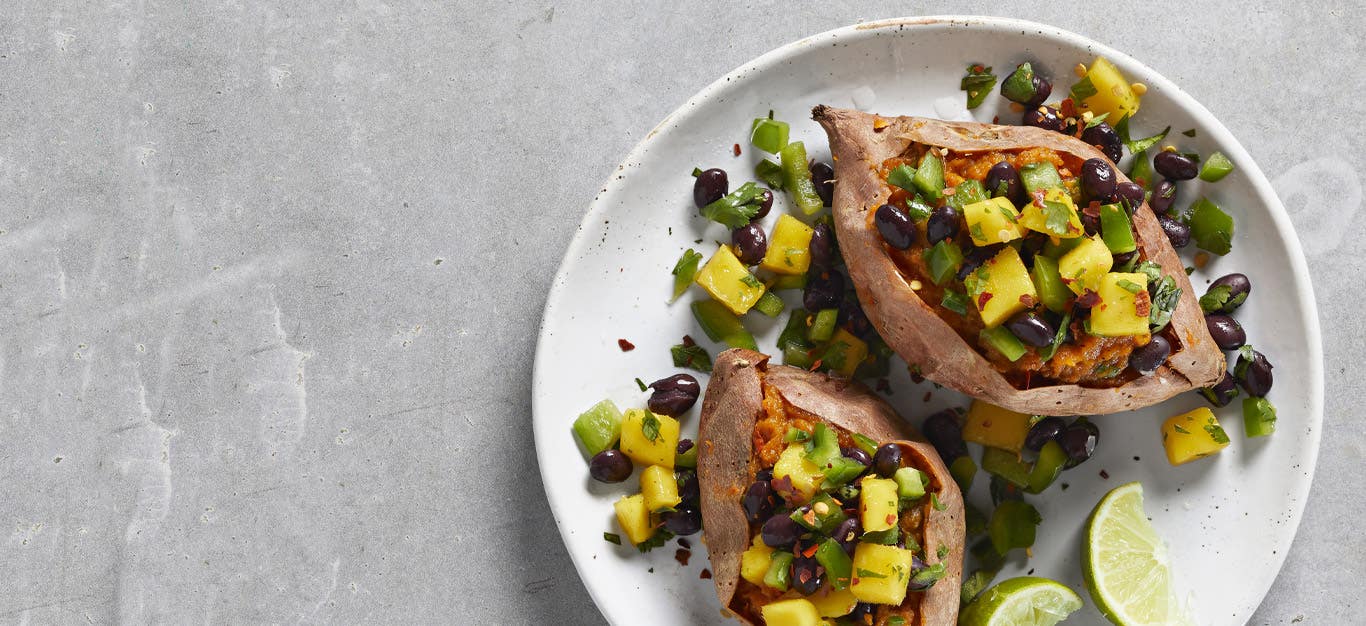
967	192
838	566
1006	343
1012	525
1005	464
943	260
823	328
929	177
902	176
779	570
685	270
1215	168
797	178
1047	467
768	134
910	483
963	469
769	172
1259	417
599	427
1116	229
1040	176
1048	283
1142	171
1211	227
721	325
769	304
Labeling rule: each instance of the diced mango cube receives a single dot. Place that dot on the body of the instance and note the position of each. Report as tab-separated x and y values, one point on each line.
831	602
634	518
794	612
881	573
995	427
1001	287
1083	266
805	475
1055	215
789	247
1124	306
1193	435
754	561
844	353
992	221
877	503
729	281
1114	94
649	439
660	488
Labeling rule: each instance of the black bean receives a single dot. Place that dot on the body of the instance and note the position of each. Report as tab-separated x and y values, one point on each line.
1130	195
765	474
945	433
1239	287
896	226
1254	374
974	257
807	575
822	247
709	186
765	205
1032	329
847	534
1223	392
1044	117
688	488
1090	222
1175	165
823	291
1164	196
1079	441
1003	180
943	224
1123	258
887	460
864	613
1043	431
758	501
1105	139
1178	233
823	176
674	395
750	243
610	466
1146	358
918	564
1226	331
1098	180
852	316
685	519
857	455
780	532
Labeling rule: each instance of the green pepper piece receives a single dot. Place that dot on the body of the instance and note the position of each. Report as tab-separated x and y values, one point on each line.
840	471
769	172
1040	176
825	523
1048	283
963	469
974	584
1006	343
917	209
825	446
1047	467
1116	230
1012	525
902	176
768	134
824	327
797	356
1211	227
943	260
599	427
779	570
1019	85
1142	171
910	483
955	301
794	333
1216	167
967	192
721	325
1005	464
685	270
839	568
1063	246
929	178
788	281
797	178
770	304
687	459
1259	417
865	443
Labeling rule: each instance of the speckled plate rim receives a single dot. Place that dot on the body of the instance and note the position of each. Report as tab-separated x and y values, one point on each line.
544	363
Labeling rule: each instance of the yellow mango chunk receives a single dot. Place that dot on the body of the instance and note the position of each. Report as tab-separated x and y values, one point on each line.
877	503
881	573
844	353
1193	435
754	561
1114	94
1001	287
992	221
794	612
1119	313
634	518
729	281
660	488
789	247
995	427
805	475
649	439
1055	215
1083	266
831	602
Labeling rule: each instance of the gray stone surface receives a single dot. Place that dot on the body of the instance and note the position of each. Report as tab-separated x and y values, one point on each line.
273	278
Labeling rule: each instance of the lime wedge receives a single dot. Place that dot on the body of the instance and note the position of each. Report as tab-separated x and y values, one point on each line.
1023	601
1125	563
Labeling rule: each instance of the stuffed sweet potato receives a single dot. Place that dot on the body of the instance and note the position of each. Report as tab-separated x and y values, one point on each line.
807	516
1005	262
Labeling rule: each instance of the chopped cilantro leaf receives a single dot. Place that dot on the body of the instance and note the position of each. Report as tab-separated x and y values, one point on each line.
1057	217
867	573
1216	433
1097	119
929	576
650	426
750	281
1082	90
612	538
955	301
1188	133
656	540
1129	285
976	232
692	357
934	502
737	208
1216	298
1180	430
641	384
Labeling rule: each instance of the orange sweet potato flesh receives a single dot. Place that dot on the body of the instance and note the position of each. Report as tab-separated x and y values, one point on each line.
926	341
734	404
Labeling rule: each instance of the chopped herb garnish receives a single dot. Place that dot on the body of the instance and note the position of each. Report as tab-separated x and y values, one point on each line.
1096	119
650	426
1218	297
1216	433
1163	293
737	208
929	576
796	435
641	384
955	301
1188	133
942	551
1138	145
1180	430
1082	90
1106	370
685	270
692	357
976	231
1057	217
656	540
867	573
1129	285
978	83
902	176
750	281
612	538
1058	339
934	502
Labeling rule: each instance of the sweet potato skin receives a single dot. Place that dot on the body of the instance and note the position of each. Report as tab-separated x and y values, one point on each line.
931	346
730	409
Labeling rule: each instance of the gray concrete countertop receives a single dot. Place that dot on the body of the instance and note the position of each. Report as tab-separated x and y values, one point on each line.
273	279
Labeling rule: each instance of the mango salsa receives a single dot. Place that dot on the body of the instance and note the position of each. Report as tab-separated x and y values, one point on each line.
660	488
1055	216
649	439
877	503
634	518
1083	266
881	573
794	612
995	427
1113	94
789	247
1001	287
992	221
754	561
1119	313
805	475
729	281
1193	435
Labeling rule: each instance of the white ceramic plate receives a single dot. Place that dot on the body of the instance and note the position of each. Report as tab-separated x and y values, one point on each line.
1228	520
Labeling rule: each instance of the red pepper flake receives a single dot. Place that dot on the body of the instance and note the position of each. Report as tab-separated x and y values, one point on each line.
1088	299
688	341
817	365
995	119
928	395
625	345
737	149
1092	210
1067	108
810	552
804	576
1104	474
1143	304
1028	300
891	519
682	555
983	299
810	518
705	575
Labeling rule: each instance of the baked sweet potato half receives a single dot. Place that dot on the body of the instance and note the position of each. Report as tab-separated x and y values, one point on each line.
1018	284
801	521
